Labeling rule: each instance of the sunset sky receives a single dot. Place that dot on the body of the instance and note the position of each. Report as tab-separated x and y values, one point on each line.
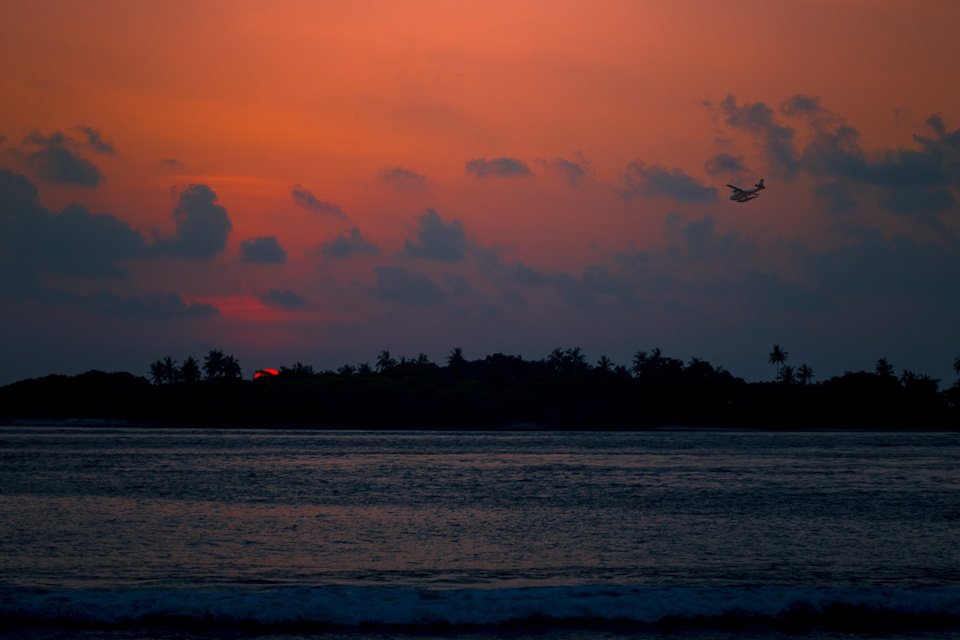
319	181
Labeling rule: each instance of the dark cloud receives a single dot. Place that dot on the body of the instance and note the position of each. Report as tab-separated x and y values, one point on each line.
777	141
35	242
699	240
344	246
263	250
437	240
202	225
838	196
802	105
725	164
655	181
95	140
895	269
282	298
916	182
74	242
582	292
458	285
498	167
155	306
575	173
172	163
397	284
53	161
491	265
597	281
310	202
403	179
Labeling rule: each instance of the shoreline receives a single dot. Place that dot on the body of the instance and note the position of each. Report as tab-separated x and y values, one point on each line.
121	423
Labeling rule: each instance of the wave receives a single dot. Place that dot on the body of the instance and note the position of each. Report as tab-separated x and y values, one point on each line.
350	606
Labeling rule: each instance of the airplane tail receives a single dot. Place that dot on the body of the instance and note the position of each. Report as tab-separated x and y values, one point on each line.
759	185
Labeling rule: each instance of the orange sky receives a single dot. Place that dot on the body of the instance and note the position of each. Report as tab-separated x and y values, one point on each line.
251	98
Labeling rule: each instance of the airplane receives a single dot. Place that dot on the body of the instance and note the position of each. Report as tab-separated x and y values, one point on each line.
742	195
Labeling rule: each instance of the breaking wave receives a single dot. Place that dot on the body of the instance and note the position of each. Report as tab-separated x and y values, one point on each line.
348	606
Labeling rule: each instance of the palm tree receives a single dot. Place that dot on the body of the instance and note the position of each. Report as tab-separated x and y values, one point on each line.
605	364
384	361
786	375
956	365
190	370
804	373
231	367
777	357
347	370
639	362
884	368
170	372
456	357
213	364
364	369
156	372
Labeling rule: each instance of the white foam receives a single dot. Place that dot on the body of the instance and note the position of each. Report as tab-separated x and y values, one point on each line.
353	606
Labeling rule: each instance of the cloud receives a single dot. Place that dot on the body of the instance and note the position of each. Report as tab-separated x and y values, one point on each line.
263	250
397	284
897	268
310	202
53	161
74	242
202	225
437	240
575	173
801	104
491	265
498	167
596	281
171	163
282	298
699	240
344	246
581	292
403	179
725	164
154	306
96	141
777	141
655	181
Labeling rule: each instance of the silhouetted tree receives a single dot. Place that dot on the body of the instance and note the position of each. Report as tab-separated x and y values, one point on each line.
804	373
364	369
884	369
787	375
423	359
299	370
347	370
777	357
384	361
190	370
605	364
156	372
639	361
956	365
213	364
231	368
456	358
171	373
565	361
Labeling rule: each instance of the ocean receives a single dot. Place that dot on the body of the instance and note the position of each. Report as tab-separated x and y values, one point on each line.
186	533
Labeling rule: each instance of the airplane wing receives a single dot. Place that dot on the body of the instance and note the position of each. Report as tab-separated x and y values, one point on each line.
738	189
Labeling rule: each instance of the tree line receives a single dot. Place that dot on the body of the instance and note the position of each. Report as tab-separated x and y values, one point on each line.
562	391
